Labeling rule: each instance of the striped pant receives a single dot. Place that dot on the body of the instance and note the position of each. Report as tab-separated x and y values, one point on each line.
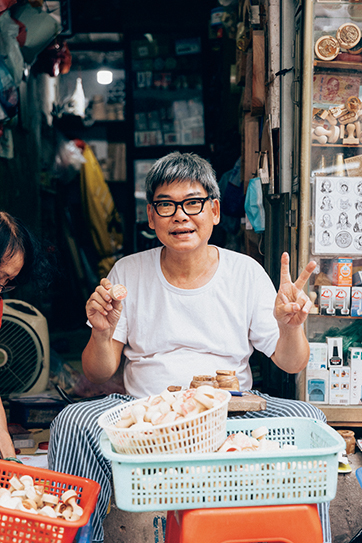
74	446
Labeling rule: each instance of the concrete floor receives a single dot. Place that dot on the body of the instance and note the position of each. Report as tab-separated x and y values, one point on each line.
125	527
345	514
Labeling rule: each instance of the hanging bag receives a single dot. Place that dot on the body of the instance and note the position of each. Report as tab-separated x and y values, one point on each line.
254	207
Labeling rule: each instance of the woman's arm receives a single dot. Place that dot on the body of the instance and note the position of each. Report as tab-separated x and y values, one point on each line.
6	445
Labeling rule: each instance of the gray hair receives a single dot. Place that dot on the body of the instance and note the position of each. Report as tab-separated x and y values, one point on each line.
181	167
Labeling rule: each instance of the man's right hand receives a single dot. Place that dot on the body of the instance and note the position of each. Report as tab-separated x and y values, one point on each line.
103	312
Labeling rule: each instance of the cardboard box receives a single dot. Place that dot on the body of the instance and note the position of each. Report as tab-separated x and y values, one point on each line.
318	356
317	386
355	364
342	272
356	302
339	385
335	352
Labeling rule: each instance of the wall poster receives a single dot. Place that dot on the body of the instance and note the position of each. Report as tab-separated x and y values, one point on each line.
338	216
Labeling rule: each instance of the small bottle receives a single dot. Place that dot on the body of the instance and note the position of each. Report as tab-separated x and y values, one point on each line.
338	167
335	360
321	170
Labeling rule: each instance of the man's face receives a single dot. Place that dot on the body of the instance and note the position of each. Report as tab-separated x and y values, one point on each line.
182	232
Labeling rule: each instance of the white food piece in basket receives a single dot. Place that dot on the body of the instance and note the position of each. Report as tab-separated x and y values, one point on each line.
164	407
32	494
47	511
14	503
260	432
269	444
157	417
67	513
203	398
74	517
50	499
69	498
18	494
239	442
138	412
207	389
29	504
26	480
22	507
4	492
124	423
142	425
15	483
168	396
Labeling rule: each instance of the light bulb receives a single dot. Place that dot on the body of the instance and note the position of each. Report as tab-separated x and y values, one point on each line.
104	76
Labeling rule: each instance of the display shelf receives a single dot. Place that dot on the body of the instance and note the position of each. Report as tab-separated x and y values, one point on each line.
338	65
327	145
338	415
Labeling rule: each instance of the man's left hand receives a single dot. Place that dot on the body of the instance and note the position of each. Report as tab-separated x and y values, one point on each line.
292	304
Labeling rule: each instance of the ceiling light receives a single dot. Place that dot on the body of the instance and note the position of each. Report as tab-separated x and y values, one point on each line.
104	76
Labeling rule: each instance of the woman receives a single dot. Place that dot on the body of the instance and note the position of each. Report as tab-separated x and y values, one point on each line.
21	261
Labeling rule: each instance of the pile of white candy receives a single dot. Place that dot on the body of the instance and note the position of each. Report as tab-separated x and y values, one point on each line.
256	442
166	407
26	496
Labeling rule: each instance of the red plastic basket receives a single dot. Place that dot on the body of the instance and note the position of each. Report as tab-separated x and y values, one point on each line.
20	527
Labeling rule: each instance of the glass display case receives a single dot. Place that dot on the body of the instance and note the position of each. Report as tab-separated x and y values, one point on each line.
328	181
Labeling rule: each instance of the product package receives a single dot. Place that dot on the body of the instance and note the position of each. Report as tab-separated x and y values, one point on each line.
342	272
318	356
342	298
326	300
339	386
335	352
356	302
317	385
355	364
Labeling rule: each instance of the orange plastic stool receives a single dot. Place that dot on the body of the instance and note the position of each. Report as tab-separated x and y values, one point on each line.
271	523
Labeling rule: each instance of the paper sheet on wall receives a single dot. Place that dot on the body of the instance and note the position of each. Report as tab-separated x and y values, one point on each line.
338	215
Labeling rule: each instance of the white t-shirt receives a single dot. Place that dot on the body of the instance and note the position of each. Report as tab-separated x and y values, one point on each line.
171	334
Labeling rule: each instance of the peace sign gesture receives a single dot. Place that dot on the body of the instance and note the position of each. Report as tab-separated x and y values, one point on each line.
292	305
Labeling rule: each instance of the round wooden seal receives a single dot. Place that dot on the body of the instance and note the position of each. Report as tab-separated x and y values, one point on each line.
327	48
353	103
348	35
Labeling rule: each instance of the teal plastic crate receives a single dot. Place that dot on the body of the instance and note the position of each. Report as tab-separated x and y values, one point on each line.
307	474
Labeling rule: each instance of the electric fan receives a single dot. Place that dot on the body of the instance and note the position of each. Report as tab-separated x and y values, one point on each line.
24	350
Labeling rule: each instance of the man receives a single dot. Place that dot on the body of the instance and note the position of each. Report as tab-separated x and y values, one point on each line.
191	308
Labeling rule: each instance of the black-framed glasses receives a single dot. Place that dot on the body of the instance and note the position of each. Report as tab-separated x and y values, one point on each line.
10	285
190	206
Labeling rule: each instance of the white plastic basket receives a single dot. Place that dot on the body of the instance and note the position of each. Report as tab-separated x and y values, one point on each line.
204	432
307	474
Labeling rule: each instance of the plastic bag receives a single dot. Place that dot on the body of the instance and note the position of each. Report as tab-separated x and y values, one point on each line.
68	160
254	207
8	92
10	49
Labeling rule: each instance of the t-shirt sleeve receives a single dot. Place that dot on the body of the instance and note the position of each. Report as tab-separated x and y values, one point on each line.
264	330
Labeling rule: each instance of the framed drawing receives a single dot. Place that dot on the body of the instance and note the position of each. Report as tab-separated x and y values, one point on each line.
338	216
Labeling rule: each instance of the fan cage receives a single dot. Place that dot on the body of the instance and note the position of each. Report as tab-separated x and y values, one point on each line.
21	356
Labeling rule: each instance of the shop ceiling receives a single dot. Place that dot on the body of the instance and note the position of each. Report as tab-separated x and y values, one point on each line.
121	15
